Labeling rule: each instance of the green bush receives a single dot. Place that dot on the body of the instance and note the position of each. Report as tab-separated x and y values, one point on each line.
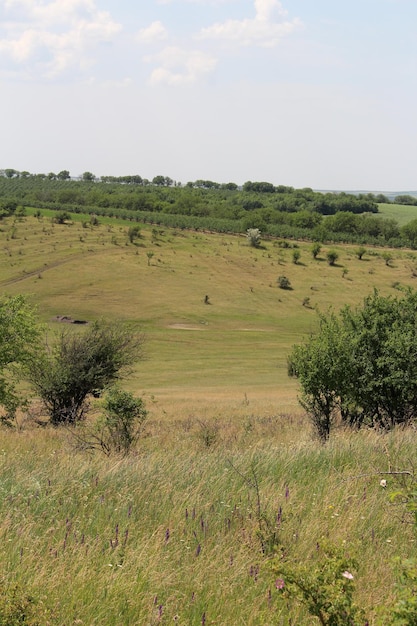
121	424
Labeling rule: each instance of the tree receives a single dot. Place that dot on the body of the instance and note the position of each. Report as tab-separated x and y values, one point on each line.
332	257
88	177
283	282
81	365
361	365
254	237
63	175
296	255
122	421
360	252
409	231
19	333
315	249
133	233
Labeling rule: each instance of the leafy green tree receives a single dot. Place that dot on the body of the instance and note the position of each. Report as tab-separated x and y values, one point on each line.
332	257
283	282
63	175
88	177
409	231
133	233
315	249
81	365
361	365
122	422
19	334
360	252
296	255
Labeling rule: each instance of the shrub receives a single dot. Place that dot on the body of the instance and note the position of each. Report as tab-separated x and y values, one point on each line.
325	588
254	237
332	257
81	365
283	282
315	249
361	365
121	424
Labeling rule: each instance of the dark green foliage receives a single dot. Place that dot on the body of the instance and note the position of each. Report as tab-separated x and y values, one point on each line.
296	255
332	257
19	333
315	249
405	199
324	587
61	217
133	233
81	365
283	282
122	422
361	365
277	211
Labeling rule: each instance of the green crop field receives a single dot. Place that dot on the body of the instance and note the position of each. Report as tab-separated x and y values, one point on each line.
402	213
226	476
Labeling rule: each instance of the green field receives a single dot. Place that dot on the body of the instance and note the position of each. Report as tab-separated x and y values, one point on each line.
174	533
402	213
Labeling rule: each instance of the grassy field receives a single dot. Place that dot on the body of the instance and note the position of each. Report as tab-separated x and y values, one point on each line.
176	532
402	213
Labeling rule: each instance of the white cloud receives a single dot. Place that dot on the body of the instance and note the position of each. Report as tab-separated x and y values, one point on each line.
49	38
154	32
266	29
177	66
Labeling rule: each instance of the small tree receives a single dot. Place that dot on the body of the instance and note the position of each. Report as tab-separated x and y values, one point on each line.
283	282
133	233
81	365
122	422
254	237
387	256
19	334
332	257
315	249
360	252
361	365
296	255
61	217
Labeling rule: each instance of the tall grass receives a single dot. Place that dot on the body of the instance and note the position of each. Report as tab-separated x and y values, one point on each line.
175	532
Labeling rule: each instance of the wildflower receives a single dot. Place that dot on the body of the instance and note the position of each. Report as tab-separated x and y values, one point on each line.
383	483
279	583
348	575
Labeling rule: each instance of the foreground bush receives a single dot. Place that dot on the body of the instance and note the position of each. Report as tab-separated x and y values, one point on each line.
82	365
361	365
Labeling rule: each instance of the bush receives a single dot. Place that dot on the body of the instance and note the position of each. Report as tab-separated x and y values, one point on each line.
332	257
254	237
122	422
81	365
283	282
361	365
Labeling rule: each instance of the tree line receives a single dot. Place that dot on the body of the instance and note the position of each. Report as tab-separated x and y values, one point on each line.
275	210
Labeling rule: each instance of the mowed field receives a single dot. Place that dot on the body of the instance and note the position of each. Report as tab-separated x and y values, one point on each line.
233	348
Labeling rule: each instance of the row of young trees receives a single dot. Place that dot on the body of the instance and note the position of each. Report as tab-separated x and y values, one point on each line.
361	365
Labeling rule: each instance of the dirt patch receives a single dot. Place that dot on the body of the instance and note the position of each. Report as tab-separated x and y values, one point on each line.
186	326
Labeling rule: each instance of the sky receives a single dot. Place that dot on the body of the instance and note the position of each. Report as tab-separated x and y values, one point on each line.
307	93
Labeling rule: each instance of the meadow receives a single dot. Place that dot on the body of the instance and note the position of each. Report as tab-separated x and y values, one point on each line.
226	477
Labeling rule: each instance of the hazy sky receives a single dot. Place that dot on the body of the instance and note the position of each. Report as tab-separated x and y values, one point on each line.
317	93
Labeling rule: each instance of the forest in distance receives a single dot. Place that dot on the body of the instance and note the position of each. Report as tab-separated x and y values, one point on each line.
278	211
